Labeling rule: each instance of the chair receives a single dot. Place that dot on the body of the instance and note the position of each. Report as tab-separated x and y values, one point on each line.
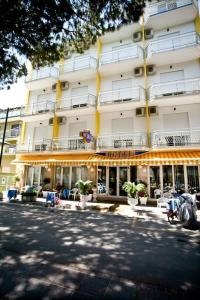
64	194
157	193
73	193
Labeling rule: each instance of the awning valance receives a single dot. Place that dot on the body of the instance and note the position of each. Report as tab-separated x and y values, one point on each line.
150	158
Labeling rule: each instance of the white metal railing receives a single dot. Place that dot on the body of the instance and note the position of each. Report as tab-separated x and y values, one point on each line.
77	64
76	102
43	73
172	43
12	113
121	54
175	88
60	144
122	141
11	133
122	95
176	138
167	5
38	108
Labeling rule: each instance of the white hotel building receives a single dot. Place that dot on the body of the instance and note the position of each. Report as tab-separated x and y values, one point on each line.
137	91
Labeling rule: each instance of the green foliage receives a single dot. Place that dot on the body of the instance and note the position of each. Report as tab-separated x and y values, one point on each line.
30	191
133	189
45	31
17	179
84	186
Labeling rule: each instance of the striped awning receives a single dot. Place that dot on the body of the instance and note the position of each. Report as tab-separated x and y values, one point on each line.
150	158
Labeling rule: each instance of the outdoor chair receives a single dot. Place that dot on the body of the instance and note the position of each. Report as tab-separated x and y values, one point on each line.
73	193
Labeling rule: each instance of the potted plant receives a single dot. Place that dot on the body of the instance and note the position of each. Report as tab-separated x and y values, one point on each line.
132	190
143	196
84	190
29	195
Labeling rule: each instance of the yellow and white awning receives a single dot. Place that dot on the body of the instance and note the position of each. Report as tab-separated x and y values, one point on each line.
150	158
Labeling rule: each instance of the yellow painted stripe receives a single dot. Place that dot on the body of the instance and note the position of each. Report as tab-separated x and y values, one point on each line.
98	88
55	127
148	125
197	24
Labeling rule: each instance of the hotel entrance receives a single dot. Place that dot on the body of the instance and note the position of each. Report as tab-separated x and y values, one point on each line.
111	179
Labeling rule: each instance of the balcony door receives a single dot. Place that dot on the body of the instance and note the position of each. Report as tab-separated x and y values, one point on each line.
79	96
121	90
75	143
175	87
176	122
41	136
121	128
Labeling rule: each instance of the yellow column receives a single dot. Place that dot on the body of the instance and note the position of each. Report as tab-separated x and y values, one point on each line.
23	129
146	87
55	120
197	24
98	88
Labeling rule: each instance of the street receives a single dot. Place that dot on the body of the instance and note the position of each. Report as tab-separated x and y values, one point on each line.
88	255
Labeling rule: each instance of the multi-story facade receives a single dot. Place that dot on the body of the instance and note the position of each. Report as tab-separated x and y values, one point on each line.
137	91
8	170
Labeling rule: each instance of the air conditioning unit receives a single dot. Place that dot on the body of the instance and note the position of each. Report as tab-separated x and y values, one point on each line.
53	87
138	72
137	36
153	110
140	112
151	70
148	34
64	85
51	121
61	120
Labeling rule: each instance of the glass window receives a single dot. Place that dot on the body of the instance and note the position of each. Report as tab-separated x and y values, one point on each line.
84	173
46	178
179	178
154	179
101	180
66	172
193	178
29	176
133	174
57	179
122	179
167	178
36	175
75	176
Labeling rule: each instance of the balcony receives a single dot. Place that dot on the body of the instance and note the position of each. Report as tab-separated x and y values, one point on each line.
42	78
121	60
186	138
121	99
63	144
35	111
14	114
11	134
135	141
176	49
9	150
175	92
161	13
81	105
78	68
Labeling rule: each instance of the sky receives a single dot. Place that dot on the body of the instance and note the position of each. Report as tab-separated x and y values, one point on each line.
15	96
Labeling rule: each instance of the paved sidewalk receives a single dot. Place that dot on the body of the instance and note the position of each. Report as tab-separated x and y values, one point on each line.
68	254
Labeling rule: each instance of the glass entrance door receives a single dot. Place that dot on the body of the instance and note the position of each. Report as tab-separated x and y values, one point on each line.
154	179
113	181
122	179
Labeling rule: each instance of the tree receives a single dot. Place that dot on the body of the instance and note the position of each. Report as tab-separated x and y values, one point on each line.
43	31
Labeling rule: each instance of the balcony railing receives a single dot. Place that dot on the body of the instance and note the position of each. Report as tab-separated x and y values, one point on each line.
77	64
122	141
172	43
122	54
122	95
61	144
175	88
167	5
43	73
76	102
38	108
14	112
12	133
177	138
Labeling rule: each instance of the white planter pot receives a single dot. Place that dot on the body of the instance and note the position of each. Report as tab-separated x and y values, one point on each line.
132	202
143	200
83	200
